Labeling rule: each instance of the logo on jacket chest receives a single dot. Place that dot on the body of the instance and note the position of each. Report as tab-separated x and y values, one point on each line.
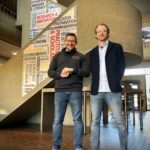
76	57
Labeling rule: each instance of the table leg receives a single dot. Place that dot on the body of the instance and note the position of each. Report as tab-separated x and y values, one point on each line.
141	113
133	111
84	111
125	107
41	124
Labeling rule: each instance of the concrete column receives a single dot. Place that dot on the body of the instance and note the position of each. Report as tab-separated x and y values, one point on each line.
125	24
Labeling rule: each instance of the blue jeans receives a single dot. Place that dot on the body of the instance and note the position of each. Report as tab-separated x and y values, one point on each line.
75	101
114	102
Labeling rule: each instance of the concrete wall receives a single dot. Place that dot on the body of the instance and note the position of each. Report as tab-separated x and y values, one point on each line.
11	82
8	29
146	17
23	19
11	72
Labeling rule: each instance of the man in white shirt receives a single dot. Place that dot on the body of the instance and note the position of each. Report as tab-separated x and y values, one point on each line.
107	68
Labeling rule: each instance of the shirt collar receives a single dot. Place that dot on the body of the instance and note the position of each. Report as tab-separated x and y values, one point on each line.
105	44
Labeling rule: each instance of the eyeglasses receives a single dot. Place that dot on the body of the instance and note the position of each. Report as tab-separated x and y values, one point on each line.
101	31
71	41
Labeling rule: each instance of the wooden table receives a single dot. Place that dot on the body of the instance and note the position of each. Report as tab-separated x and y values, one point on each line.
126	93
47	108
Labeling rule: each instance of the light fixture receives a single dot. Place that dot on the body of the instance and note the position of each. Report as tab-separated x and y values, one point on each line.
55	1
14	53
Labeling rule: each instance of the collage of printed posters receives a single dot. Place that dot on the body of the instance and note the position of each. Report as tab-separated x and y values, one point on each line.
38	55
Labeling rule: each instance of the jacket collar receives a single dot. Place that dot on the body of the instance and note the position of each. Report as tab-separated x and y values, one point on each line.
73	51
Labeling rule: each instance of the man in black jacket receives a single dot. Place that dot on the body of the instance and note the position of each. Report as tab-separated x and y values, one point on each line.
68	68
107	67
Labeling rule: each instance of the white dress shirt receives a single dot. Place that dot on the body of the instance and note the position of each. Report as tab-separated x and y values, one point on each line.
103	81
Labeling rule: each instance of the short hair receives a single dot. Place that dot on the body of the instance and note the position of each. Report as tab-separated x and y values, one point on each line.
102	24
71	34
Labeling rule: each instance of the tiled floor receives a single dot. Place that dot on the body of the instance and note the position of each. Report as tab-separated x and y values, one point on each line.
24	138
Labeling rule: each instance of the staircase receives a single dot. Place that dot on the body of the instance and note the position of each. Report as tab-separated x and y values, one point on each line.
15	108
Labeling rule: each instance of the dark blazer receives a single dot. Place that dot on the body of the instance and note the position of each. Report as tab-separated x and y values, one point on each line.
115	66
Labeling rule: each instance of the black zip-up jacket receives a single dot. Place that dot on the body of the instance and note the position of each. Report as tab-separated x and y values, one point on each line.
72	59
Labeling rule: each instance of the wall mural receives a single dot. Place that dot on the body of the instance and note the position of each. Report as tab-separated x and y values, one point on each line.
38	55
